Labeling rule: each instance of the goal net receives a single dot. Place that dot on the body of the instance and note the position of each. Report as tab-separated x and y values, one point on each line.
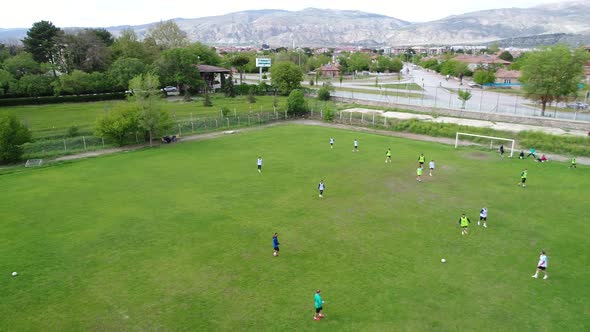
34	162
491	138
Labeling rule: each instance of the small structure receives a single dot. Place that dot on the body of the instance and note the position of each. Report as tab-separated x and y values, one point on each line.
473	62
213	76
504	76
330	70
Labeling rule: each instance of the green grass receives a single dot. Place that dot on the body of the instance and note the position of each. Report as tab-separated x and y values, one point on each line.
403	86
179	238
54	119
379	92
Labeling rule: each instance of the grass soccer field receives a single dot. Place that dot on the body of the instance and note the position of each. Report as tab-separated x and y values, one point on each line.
179	238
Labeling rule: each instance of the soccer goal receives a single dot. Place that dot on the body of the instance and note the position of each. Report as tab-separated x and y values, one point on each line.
34	162
491	138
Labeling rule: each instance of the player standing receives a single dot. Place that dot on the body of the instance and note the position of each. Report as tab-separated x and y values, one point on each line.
502	151
542	265
356	146
321	188
431	167
464	223
421	160
319	305
419	174
388	156
331	142
259	163
275	244
523	177
573	164
483	217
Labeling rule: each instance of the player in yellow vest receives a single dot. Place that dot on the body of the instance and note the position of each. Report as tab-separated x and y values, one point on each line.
388	156
419	174
421	160
523	177
573	165
464	223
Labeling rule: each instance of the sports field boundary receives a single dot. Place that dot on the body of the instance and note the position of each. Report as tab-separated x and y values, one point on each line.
307	122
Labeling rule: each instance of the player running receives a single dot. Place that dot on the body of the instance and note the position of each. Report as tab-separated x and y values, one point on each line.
321	188
464	223
388	156
431	167
356	146
541	266
523	177
331	142
259	163
419	174
275	244
421	160
483	217
573	164
319	305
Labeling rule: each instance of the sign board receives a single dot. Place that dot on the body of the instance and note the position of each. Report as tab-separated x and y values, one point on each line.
262	62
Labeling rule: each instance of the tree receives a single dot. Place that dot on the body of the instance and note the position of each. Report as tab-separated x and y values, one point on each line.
123	70
506	56
22	64
552	74
251	96
5	80
240	61
359	61
286	77
129	46
464	96
168	35
78	82
324	91
118	123
177	67
84	50
483	77
494	48
296	104
33	86
153	119
13	135
41	41
229	89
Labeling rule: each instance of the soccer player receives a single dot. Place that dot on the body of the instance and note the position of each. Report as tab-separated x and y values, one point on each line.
331	142
321	188
421	159
464	223
319	304
388	156
356	146
502	151
573	165
541	266
523	177
483	217
419	174
431	167
532	152
275	244
259	163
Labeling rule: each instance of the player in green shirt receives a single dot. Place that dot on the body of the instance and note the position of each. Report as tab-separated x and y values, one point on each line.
319	305
573	165
421	159
523	177
388	156
464	223
419	174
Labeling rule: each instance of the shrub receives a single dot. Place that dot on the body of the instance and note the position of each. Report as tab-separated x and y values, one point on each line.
251	97
324	92
328	114
13	135
73	131
296	103
61	99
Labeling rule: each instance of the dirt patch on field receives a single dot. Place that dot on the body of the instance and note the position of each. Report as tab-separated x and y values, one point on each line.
477	155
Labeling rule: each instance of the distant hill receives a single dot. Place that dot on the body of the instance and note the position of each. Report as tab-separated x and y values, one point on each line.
327	27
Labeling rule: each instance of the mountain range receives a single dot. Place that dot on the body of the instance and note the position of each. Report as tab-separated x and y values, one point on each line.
326	27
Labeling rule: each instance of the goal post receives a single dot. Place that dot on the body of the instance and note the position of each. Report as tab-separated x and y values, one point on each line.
34	162
491	138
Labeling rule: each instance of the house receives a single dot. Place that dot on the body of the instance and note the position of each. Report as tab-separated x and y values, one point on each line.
330	70
504	76
213	76
485	61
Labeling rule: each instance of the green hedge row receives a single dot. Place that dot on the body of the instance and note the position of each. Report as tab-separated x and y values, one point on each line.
61	99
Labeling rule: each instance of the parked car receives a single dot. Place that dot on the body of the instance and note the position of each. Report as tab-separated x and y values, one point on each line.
577	105
169	89
474	85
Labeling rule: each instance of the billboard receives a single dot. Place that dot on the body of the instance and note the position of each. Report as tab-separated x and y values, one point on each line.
262	62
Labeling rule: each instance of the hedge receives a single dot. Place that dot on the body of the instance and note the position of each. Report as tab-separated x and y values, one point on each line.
61	99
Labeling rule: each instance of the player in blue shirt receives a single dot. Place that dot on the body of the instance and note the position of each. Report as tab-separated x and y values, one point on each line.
275	244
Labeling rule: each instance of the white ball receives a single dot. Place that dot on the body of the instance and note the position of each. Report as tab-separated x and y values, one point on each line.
14	274
274	253
443	260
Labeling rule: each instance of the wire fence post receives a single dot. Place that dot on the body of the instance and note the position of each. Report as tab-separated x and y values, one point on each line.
227	122
285	114
216	124
179	130
102	142
84	140
192	126
373	119
65	146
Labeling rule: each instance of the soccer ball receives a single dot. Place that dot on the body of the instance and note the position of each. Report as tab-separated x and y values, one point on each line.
14	274
275	253
443	260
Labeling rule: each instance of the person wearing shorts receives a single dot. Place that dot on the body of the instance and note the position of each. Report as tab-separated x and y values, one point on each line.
421	159
259	163
542	265
523	177
431	166
275	244
464	223
321	188
483	217
388	156
355	146
331	142
319	305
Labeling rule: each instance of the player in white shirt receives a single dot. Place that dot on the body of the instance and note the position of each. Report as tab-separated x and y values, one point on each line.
483	217
431	166
321	188
331	142
542	265
356	146
259	163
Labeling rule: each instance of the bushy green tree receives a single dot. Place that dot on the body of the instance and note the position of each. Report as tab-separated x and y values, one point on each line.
464	96
6	80
123	70
506	56
251	96
325	91
229	88
168	34
13	135
296	104
33	86
286	77
153	119
119	123
41	41
177	67
22	64
483	76
552	73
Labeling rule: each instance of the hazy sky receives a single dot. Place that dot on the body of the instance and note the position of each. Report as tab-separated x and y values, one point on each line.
104	13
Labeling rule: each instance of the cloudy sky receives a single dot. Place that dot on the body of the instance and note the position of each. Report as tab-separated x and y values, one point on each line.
104	13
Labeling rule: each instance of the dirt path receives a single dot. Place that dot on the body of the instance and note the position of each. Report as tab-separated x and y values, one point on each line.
417	137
